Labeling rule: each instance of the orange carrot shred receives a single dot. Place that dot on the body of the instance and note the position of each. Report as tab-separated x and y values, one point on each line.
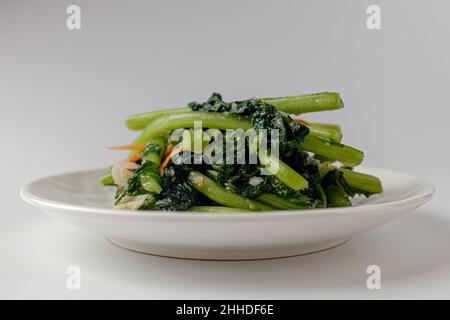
135	158
305	123
169	149
167	159
130	147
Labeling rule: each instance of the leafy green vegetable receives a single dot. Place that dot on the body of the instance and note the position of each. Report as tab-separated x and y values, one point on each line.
332	150
107	179
297	132
176	196
296	171
224	197
308	102
294	105
280	203
152	153
337	198
213	104
142	181
217	209
360	183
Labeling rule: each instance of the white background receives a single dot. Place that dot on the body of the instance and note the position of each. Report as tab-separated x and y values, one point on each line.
64	95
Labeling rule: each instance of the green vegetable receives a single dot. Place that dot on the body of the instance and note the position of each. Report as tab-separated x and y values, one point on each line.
218	209
148	173
333	150
154	151
283	172
144	180
107	179
337	198
307	103
140	121
362	183
297	133
222	196
332	131
280	203
294	105
296	171
162	125
176	196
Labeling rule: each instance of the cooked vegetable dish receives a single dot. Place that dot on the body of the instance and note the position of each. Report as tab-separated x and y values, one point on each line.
240	156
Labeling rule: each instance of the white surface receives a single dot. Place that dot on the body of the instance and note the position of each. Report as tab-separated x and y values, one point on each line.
412	252
65	94
78	199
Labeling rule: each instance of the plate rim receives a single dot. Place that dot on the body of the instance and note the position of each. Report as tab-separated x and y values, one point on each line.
426	193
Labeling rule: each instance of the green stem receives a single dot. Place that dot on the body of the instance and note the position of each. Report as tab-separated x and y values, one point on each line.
307	103
140	121
212	174
325	168
217	209
107	180
362	182
217	193
336	198
168	122
294	105
332	150
278	202
154	150
152	155
283	172
329	130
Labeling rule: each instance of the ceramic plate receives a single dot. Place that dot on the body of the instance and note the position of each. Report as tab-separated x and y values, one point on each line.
79	199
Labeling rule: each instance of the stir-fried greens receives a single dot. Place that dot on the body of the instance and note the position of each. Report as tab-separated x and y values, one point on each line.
250	155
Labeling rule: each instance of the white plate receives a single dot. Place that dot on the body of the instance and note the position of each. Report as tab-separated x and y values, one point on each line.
79	199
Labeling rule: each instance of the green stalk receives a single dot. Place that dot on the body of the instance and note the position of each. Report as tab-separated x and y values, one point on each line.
169	122
151	181
293	104
336	198
283	172
325	168
217	209
329	130
213	174
140	121
217	193
362	182
332	150
307	103
278	202
330	126
154	150
153	153
107	180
